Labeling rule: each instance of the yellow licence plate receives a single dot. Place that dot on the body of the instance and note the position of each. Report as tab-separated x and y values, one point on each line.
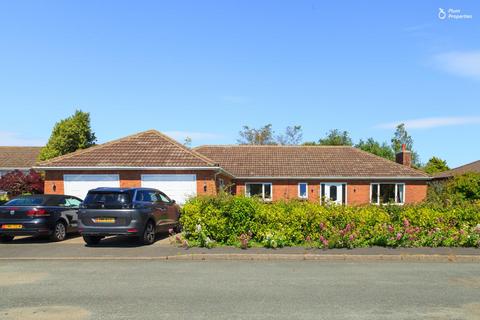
12	226
104	220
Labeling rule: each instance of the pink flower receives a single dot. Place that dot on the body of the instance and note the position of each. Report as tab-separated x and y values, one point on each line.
322	226
390	229
170	231
351	237
325	242
406	223
399	236
308	239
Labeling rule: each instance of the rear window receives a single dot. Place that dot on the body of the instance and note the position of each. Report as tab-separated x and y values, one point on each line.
26	201
107	200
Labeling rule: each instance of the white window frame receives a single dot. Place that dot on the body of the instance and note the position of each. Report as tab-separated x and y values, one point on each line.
306	192
396	191
263	190
334	182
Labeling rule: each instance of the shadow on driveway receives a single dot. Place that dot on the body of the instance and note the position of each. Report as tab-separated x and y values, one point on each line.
125	241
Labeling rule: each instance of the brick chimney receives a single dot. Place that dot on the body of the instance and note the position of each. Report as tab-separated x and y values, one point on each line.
404	157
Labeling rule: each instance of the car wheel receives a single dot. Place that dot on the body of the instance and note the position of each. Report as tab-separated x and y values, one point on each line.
92	240
59	232
6	238
148	234
177	228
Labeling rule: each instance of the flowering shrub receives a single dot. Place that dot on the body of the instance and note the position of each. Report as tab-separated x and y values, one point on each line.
235	220
16	183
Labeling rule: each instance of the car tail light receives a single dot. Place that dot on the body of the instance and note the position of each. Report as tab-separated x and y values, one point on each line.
37	213
132	230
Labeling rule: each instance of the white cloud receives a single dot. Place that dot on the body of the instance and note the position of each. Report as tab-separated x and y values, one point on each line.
195	136
465	64
15	139
426	123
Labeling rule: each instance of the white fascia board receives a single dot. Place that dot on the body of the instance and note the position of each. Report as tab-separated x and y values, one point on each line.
337	178
135	168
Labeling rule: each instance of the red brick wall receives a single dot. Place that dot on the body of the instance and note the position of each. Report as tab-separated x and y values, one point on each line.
132	178
358	192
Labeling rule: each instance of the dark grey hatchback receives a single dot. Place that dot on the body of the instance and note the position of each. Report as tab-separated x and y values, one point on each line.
52	215
138	212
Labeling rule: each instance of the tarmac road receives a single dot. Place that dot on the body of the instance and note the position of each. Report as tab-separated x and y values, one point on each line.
155	289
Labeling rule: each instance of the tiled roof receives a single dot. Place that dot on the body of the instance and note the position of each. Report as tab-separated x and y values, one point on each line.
304	161
18	157
145	149
470	167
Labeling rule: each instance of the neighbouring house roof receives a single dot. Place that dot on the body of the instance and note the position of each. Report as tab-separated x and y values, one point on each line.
246	161
469	167
148	149
18	157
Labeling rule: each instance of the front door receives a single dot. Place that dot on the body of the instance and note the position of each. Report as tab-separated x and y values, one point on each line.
333	193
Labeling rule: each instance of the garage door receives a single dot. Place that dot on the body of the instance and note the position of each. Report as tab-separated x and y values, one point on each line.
176	186
79	184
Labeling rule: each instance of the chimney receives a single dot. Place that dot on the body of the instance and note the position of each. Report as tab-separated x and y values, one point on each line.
404	157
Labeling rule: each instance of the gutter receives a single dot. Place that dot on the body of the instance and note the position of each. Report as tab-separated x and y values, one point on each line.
335	178
220	170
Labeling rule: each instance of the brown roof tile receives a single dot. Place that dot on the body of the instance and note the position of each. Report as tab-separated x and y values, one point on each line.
469	167
145	149
18	157
304	161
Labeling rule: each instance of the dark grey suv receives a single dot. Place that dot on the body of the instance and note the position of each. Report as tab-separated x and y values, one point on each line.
137	212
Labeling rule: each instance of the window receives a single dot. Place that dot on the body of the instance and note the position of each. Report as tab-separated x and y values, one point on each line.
147	196
387	193
262	190
164	197
107	200
72	202
303	190
333	192
27	201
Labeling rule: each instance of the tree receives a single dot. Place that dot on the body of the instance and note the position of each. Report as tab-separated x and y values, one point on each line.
401	137
382	150
292	136
334	137
261	136
187	142
435	165
16	183
69	135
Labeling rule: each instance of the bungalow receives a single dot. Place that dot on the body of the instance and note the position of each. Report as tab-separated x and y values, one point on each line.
343	175
18	158
340	174
469	167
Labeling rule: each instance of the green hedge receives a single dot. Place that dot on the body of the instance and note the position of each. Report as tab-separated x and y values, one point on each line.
241	221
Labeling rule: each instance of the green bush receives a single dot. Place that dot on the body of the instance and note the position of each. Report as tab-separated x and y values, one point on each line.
227	220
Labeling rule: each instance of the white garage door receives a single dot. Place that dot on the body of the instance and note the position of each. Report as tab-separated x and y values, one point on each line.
177	186
79	184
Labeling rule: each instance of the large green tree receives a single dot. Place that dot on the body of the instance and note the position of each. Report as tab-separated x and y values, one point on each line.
334	137
380	149
69	135
266	136
435	165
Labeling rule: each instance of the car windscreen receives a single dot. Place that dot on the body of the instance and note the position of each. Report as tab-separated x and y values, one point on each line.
27	201
107	200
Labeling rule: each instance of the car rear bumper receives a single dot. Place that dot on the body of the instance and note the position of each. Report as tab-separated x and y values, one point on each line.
133	229
29	227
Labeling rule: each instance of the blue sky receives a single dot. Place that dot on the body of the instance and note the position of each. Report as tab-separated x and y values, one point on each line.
206	68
